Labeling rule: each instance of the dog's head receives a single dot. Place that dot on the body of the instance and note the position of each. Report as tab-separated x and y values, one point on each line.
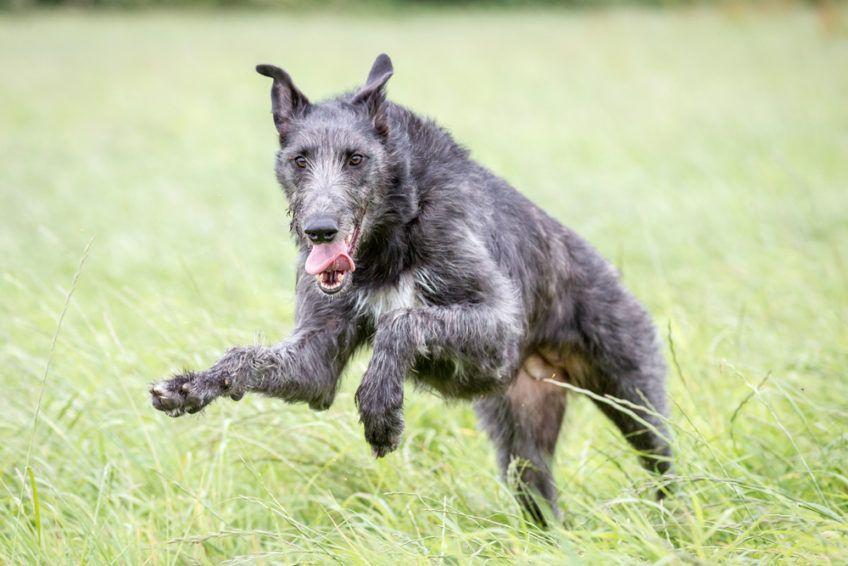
333	162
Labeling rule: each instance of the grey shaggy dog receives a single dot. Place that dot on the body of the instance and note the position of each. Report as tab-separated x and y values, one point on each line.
456	280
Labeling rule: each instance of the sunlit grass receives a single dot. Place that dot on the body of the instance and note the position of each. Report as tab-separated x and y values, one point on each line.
705	153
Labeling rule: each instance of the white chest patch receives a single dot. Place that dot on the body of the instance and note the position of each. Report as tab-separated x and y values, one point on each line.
378	302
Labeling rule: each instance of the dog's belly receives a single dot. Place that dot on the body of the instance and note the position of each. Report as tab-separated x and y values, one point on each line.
453	377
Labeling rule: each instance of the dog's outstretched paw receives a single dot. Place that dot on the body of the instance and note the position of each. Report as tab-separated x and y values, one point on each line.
186	393
383	431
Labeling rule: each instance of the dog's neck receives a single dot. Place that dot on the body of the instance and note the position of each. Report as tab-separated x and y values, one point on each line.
387	253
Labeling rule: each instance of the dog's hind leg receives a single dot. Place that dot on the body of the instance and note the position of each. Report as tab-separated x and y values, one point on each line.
641	416
630	373
524	424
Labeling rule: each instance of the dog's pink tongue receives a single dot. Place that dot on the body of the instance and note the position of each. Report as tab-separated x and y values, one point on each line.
322	256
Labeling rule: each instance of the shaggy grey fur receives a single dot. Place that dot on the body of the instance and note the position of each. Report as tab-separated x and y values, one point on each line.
461	285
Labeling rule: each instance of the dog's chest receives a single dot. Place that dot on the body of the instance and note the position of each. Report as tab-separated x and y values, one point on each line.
374	303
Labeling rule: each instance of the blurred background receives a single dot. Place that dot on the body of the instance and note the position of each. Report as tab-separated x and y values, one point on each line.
702	147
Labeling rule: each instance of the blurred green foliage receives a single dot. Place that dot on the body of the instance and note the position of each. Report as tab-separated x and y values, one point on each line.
324	4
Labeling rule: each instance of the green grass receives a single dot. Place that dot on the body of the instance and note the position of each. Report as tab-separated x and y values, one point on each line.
141	231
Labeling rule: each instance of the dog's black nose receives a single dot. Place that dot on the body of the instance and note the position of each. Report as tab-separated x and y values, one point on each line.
321	230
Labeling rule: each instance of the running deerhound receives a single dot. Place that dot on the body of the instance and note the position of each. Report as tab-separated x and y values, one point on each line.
454	278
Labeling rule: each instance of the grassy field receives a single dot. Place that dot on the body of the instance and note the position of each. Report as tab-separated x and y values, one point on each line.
141	231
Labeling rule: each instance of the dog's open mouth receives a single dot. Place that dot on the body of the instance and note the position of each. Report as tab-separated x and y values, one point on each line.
332	264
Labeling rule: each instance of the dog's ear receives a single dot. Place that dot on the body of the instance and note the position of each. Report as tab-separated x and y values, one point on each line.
373	93
286	100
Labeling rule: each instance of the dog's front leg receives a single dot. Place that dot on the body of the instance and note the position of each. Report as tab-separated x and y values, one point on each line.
380	394
304	368
191	391
483	335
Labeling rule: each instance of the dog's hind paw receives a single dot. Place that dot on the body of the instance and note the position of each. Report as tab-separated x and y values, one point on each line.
186	393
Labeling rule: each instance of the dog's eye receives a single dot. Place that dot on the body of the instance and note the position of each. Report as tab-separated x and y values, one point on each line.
300	161
355	159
